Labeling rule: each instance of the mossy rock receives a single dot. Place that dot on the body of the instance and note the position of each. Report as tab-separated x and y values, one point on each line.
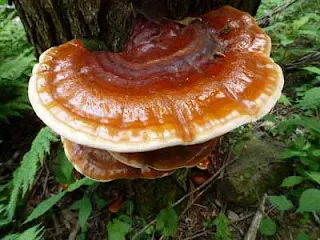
257	170
150	196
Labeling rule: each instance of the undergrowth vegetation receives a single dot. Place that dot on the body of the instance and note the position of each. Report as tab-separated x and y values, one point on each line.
295	122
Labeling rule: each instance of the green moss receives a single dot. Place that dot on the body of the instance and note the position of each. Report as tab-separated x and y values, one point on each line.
257	170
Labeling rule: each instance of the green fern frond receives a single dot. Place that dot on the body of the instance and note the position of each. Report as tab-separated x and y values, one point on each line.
24	175
33	233
311	98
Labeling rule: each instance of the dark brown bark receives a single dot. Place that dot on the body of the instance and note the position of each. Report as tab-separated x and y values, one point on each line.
52	22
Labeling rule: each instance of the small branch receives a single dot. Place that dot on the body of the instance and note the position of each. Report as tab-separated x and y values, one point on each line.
316	217
204	184
265	20
196	236
308	59
144	229
209	181
73	234
243	218
254	226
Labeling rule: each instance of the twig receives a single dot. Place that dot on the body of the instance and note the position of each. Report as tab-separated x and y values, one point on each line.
254	226
198	235
310	58
74	232
316	217
243	218
144	229
264	21
186	196
204	184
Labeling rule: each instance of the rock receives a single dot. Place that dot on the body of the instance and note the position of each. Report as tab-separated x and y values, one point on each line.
257	170
232	215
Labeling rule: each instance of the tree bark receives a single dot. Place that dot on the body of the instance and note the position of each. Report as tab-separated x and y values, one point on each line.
52	22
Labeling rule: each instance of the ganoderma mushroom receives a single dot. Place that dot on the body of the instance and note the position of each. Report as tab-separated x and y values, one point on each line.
173	86
99	165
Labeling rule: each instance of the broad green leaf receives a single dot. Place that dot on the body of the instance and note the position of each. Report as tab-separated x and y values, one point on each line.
85	211
300	22
292	181
312	164
315	176
313	69
293	153
281	202
284	100
316	153
117	230
167	222
33	233
286	41
81	182
267	227
44	206
303	236
309	201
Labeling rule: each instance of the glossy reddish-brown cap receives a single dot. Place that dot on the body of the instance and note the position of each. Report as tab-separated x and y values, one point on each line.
170	158
173	85
99	165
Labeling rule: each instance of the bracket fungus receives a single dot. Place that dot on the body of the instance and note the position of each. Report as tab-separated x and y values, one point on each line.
158	104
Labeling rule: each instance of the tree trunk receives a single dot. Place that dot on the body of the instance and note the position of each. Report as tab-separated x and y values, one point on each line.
52	22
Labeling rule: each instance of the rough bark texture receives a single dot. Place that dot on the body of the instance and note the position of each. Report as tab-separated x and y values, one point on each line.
52	22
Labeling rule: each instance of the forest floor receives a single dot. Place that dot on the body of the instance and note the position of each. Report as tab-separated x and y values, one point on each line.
282	203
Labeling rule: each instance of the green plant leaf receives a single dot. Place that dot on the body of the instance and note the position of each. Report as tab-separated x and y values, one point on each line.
284	100
292	181
44	206
117	229
311	98
293	153
267	227
303	236
81	182
47	204
167	222
63	170
33	233
316	153
281	202
222	223
315	176
309	201
313	69
85	211
24	175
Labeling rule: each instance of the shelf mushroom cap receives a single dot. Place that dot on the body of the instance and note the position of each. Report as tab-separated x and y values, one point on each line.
171	86
99	165
170	158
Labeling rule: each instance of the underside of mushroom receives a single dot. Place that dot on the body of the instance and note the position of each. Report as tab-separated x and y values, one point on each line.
160	104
